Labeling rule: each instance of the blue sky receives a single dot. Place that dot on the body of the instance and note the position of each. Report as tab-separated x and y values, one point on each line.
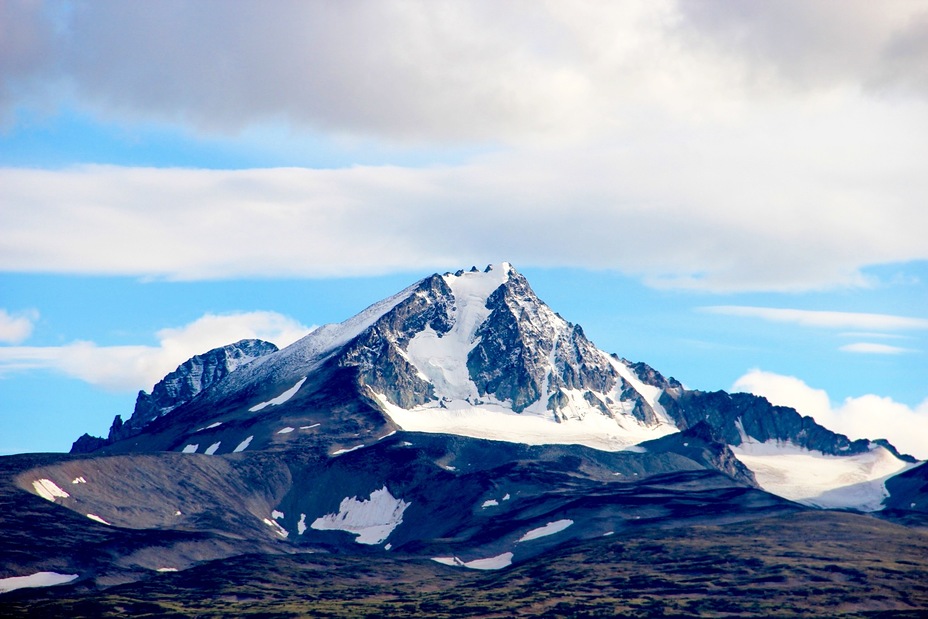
734	195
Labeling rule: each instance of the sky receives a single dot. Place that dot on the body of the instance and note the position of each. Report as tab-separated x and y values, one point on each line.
733	193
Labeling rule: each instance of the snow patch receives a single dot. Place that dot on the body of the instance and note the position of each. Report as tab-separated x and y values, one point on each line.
39	579
99	519
490	563
549	529
370	520
496	421
167	569
489	503
243	445
79	480
506	498
387	435
277	515
315	425
301	525
48	490
348	450
191	449
286	430
212	448
210	426
277	528
283	397
819	480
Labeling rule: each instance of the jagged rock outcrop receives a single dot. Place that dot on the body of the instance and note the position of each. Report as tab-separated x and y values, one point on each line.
177	388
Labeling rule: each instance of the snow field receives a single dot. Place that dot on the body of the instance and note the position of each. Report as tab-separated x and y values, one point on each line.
283	397
48	490
549	529
820	480
39	579
371	520
490	563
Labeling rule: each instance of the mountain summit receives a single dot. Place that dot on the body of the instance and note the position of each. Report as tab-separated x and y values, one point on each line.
476	353
460	420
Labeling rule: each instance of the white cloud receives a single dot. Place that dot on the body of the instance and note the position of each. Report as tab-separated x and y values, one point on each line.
816	318
17	327
547	209
648	137
130	368
449	70
868	416
875	349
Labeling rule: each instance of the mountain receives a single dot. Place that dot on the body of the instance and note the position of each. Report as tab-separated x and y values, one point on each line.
461	421
177	388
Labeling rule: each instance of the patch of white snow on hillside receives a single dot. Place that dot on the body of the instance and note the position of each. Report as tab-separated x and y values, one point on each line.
301	525
79	480
819	480
210	426
453	561
166	569
191	449
490	563
243	445
39	579
496	421
212	448
277	515
549	529
315	425
277	528
442	360
98	519
388	435
370	520
286	430
489	503
506	498
48	490
283	397
348	450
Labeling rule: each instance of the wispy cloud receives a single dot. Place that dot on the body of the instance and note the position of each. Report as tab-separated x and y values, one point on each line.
201	224
871	348
130	368
16	327
868	416
825	319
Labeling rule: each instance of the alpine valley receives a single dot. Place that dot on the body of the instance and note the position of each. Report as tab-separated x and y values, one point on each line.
459	449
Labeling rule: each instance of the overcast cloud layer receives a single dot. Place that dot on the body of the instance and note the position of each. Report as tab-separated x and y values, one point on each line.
776	146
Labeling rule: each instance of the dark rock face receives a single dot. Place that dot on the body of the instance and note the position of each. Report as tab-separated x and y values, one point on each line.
729	414
379	352
193	376
177	388
520	341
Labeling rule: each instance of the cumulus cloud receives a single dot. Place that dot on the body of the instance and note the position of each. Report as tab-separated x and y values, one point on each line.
868	416
130	368
16	327
827	319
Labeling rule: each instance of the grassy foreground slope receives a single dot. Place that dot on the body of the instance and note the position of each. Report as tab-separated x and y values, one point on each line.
808	564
